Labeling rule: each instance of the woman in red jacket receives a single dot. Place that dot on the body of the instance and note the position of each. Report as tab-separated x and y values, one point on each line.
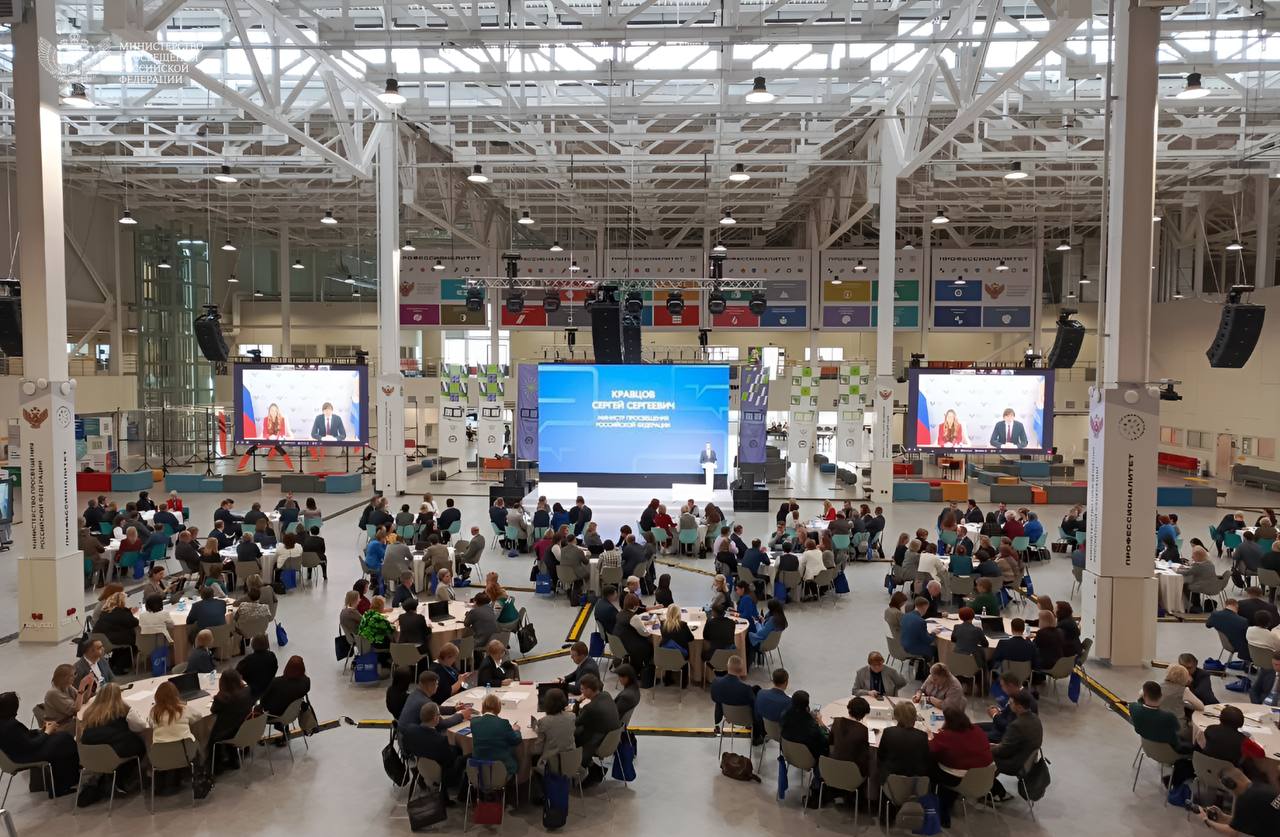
957	748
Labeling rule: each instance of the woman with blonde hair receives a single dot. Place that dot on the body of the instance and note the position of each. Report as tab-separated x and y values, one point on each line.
108	591
951	433
63	700
444	586
119	625
170	720
719	594
107	721
1176	695
676	635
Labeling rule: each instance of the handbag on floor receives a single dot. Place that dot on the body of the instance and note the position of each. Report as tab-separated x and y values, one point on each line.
366	667
393	765
282	638
307	720
527	637
555	800
341	647
426	809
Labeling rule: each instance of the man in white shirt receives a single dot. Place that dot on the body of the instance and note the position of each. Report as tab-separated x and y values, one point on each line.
92	664
724	543
811	560
1260	633
932	565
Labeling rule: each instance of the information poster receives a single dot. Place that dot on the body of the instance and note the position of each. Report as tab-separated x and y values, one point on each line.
491	429
543	265
753	408
648	265
802	424
433	298
786	275
453	412
983	289
849	287
527	411
853	386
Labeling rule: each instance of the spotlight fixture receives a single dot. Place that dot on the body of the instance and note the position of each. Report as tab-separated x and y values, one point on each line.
728	219
1233	246
1084	280
571	337
716	302
164	263
633	303
233	280
1168	393
1015	173
738	174
477	175
860	267
1194	89
328	218
573	266
127	218
757	303
224	175
297	264
439	265
941	217
408	246
228	246
837	281
551	302
525	218
916	357
908	246
1063	246
391	94
719	248
1002	267
515	302
1030	358
475	298
675	303
556	248
759	94
77	97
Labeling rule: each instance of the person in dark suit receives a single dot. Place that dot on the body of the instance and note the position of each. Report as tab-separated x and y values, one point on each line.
447	518
413	626
633	555
24	745
1021	740
973	514
292	685
1002	716
850	738
327	424
314	543
231	705
427	741
597	717
494	671
259	667
607	610
1266	686
718	633
1229	523
1017	648
1008	431
904	750
732	689
583	665
230	520
580	516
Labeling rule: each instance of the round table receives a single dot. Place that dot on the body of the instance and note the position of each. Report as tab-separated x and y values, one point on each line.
697	620
880	719
1169	584
448	630
268	561
519	705
1259	724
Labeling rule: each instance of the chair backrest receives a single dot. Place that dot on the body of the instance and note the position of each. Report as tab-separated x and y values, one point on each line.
565	763
895	648
844	775
610	575
244	569
720	659
1020	544
429	771
405	654
1062	669
171	755
948	537
98	758
961	585
609	745
798	755
489	775
309	560
668	659
1161	752
616	649
965	665
977	782
899	789
1231	540
1268	578
1261	656
8	765
1085	648
1022	669
290	713
455	527
222	638
688	536
1209	770
841	541
772	729
250	732
770	643
466	647
739	716
252	627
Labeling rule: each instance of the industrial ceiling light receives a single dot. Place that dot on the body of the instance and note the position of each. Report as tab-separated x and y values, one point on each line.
959	280
1177	296
941	217
1194	89
233	280
556	248
297	264
860	266
477	175
739	173
837	281
1002	267
634	303
77	97
439	265
1015	173
328	218
224	175
675	303
1156	218
908	246
1063	246
355	292
1233	246
573	266
228	246
127	218
1084	280
759	94
716	302
728	219
408	246
164	263
526	218
257	294
719	248
350	280
757	304
391	94
551	302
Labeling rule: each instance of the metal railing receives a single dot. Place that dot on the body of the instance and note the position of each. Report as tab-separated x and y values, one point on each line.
78	367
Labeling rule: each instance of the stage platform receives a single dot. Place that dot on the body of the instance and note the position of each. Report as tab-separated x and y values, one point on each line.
613	507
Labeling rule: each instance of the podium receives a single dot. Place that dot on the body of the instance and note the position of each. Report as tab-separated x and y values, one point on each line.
709	468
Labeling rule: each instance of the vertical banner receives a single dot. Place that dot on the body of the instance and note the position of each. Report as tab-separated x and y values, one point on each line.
390	442
527	411
753	407
882	441
853	387
453	412
804	413
490	428
1123	440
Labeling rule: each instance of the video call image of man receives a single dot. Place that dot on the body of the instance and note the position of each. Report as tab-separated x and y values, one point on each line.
329	426
1008	431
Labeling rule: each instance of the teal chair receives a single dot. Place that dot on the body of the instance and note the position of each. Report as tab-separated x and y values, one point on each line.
157	553
406	533
1213	533
315	523
128	559
1264	544
1020	544
168	530
1044	537
1231	540
842	542
186	514
455	527
949	538
512	534
105	527
660	536
539	531
688	539
370	530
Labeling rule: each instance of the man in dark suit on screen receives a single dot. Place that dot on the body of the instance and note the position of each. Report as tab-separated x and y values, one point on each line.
327	424
1008	431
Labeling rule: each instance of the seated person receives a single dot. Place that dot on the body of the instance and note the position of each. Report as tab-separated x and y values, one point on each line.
583	665
494	670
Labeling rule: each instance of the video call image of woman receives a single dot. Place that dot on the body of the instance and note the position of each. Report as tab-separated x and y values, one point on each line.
274	425
951	432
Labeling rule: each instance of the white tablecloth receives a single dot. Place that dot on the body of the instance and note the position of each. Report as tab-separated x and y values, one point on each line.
268	560
1169	584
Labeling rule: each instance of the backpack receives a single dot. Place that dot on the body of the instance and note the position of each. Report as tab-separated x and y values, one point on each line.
737	767
555	800
1036	781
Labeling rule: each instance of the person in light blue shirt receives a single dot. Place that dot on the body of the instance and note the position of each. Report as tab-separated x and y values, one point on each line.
914	631
746	602
775	620
772	704
1034	528
376	551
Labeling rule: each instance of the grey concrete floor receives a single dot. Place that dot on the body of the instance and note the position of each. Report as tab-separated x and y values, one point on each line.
339	781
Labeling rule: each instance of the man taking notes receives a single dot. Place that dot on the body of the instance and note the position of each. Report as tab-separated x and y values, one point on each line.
327	425
1009	431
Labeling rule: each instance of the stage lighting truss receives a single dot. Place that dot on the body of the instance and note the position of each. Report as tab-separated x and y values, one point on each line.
623	284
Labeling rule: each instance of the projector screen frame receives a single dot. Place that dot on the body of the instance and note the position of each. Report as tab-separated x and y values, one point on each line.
910	442
237	383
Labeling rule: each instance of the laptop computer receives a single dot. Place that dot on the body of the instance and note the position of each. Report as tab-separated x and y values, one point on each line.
993	626
438	611
188	685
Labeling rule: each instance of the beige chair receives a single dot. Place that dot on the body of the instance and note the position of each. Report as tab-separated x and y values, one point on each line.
1268	578
898	653
966	665
287	719
841	775
897	790
1062	670
1261	657
1021	669
616	649
772	732
249	628
171	755
1162	754
567	763
224	641
495	776
798	756
960	585
101	759
146	645
466	651
790	580
247	737
1209	772
668	659
12	768
1077	573
771	644
735	718
719	662
610	575
244	569
976	787
429	771
406	654
608	747
309	561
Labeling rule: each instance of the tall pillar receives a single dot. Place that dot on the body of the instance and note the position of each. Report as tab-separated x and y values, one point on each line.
284	267
1197	266
115	361
882	433
1265	268
390	466
1118	589
50	570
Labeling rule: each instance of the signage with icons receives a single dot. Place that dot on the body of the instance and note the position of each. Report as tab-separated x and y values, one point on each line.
543	264
983	289
787	278
849	286
433	287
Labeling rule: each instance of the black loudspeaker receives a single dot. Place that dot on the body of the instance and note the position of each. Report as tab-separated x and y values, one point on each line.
606	332
209	335
11	327
1238	333
1066	345
631	339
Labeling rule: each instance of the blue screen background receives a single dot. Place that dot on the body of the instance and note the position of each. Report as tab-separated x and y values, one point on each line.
570	442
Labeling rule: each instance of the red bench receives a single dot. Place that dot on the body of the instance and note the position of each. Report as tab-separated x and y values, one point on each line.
95	482
1177	462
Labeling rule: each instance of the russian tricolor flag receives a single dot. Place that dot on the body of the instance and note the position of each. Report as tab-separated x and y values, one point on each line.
248	423
923	433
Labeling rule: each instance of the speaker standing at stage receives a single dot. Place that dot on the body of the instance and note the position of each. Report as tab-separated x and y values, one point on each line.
708	462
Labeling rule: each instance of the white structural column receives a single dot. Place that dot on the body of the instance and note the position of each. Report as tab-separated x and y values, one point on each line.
1265	270
51	569
882	433
390	466
285	268
1119	590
